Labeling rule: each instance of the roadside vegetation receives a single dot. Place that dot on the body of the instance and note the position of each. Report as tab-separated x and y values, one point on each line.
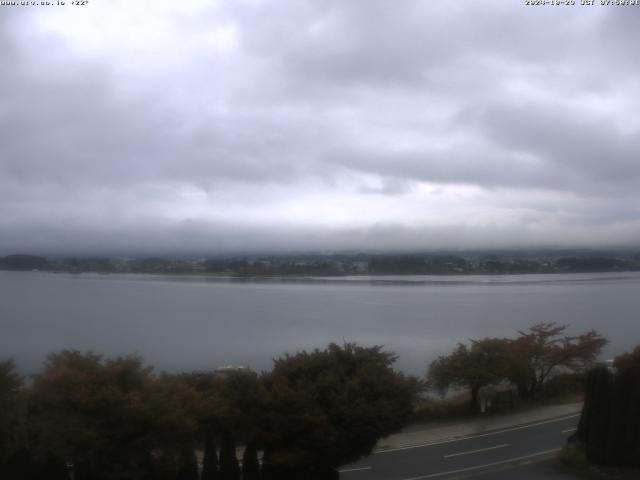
89	417
98	418
607	442
539	363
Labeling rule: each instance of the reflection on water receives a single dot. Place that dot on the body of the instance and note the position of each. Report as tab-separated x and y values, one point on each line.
194	322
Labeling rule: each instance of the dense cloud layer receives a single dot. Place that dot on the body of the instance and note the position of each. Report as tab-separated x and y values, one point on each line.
317	124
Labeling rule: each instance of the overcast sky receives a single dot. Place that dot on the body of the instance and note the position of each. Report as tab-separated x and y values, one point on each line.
167	125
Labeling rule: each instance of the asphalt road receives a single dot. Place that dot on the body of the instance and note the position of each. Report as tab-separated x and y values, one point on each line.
516	452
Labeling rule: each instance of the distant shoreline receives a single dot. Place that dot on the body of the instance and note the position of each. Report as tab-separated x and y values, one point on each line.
338	265
377	279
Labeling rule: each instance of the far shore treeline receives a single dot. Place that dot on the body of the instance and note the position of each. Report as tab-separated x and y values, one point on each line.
483	262
98	418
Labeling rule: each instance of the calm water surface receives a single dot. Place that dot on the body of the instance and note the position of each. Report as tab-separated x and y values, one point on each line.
195	323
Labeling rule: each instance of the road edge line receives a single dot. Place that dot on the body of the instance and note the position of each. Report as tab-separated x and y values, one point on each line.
486	465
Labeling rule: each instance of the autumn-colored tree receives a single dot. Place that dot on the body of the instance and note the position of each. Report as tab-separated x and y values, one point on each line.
543	350
111	418
483	362
329	407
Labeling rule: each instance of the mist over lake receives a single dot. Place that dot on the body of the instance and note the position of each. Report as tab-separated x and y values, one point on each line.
185	323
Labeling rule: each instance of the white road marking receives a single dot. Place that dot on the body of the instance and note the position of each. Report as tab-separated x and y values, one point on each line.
469	452
469	437
486	465
569	430
354	469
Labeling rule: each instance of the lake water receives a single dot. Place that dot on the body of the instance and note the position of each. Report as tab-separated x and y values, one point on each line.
198	323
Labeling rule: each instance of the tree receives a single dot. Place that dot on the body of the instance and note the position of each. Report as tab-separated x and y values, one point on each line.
171	408
10	390
210	458
112	418
187	465
12	421
250	464
542	350
483	363
229	467
625	425
232	406
62	399
329	407
609	428
594	424
237	403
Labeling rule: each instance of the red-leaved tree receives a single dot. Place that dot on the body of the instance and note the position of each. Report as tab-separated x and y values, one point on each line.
543	350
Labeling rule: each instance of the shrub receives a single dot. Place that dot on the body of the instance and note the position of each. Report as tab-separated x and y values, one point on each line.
573	457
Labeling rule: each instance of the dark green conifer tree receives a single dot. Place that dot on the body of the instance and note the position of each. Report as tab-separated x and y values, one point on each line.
624	445
268	471
229	468
250	464
187	465
48	468
210	459
609	427
165	467
593	429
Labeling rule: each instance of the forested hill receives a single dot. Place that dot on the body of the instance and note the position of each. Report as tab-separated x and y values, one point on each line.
340	264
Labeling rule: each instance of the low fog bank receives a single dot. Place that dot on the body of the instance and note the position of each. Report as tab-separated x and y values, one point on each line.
195	239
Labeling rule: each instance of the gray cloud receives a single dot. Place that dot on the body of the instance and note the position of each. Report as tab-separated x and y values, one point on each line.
318	124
